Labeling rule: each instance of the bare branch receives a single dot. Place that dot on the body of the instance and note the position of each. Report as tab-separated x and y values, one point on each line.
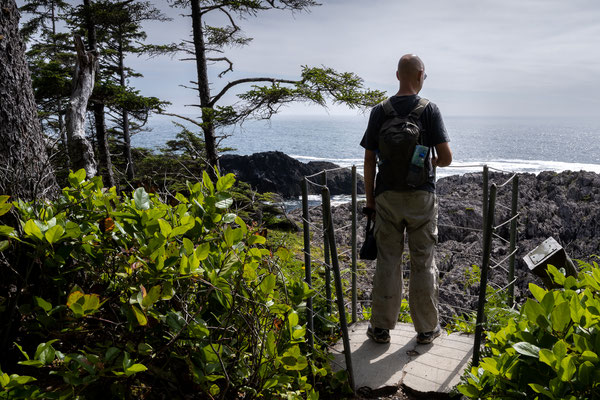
222	59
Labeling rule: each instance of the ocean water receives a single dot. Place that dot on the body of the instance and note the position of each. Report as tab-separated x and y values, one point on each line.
506	144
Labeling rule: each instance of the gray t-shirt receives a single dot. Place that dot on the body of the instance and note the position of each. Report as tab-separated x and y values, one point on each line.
433	131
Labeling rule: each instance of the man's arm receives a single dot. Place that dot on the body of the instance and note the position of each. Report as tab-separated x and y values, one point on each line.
443	159
369	175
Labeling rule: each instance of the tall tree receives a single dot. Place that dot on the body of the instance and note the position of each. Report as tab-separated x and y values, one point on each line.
315	85
51	61
25	171
114	29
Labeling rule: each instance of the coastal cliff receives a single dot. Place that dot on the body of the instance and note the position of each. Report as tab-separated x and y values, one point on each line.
274	171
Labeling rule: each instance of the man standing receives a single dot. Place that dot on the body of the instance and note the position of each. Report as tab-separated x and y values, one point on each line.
403	206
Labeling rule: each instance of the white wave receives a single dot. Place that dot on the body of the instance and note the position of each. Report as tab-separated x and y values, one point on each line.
531	166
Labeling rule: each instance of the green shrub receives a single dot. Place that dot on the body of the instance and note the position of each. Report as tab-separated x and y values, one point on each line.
551	350
129	297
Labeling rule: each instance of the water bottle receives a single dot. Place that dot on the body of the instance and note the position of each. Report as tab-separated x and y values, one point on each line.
416	176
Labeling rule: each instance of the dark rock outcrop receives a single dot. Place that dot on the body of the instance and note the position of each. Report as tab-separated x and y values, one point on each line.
276	172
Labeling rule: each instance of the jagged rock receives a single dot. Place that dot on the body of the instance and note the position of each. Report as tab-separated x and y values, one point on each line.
276	172
563	205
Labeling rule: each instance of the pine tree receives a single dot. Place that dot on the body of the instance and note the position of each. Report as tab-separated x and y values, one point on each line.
315	85
117	32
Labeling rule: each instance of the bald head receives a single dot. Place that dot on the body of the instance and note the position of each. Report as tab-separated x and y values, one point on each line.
410	73
409	66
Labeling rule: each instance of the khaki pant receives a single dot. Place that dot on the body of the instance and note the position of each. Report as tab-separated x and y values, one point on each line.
416	213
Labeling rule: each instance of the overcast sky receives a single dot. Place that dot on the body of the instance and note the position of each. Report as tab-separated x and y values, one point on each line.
482	57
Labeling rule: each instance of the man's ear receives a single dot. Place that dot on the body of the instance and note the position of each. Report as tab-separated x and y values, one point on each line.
397	74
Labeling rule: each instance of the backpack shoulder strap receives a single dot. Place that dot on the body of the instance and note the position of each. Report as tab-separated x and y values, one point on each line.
419	108
388	108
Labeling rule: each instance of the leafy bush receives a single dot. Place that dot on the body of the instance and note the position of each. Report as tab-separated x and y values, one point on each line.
128	297
551	350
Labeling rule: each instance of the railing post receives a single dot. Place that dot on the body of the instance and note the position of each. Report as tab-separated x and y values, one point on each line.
486	185
338	285
307	263
326	257
513	241
354	240
487	247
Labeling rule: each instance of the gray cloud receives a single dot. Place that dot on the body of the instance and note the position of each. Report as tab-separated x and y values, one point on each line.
483	57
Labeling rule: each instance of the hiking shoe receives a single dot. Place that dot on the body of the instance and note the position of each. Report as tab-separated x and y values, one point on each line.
427	337
378	335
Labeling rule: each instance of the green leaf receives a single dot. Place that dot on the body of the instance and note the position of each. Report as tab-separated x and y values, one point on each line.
567	369
202	251
256	239
54	234
76	178
139	315
527	349
225	182
590	356
283	254
537	292
4	244
151	297
188	246
4	379
4	198
271	344
43	304
111	354
45	353
4	208
469	390
214	389
223	200
561	316
141	199
585	373
6	230
541	390
249	271
165	227
21	379
535	313
556	275
560	350
268	284
547	357
31	229
207	182
134	369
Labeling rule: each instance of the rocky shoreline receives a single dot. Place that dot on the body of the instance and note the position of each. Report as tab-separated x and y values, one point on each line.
563	205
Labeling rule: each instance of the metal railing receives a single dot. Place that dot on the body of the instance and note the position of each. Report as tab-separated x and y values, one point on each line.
330	263
347	303
490	232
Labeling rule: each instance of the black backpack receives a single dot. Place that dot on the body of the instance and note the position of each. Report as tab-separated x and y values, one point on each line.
398	139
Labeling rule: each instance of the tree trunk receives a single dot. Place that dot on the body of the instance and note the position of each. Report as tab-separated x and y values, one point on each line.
208	125
25	171
80	149
105	163
125	118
